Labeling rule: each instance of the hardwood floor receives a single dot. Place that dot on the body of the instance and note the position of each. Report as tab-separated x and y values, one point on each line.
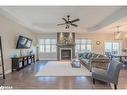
25	79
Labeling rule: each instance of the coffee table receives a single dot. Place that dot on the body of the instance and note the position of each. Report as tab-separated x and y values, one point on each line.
75	63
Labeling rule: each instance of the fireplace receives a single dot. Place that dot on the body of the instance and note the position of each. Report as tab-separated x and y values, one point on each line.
65	45
65	53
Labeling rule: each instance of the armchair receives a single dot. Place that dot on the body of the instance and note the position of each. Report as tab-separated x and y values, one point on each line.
110	75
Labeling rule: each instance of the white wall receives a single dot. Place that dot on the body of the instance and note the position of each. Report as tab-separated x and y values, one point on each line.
9	32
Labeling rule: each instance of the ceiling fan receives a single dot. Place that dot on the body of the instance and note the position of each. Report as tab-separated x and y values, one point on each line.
69	22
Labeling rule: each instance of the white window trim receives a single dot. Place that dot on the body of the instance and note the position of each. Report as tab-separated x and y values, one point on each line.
48	44
84	44
120	45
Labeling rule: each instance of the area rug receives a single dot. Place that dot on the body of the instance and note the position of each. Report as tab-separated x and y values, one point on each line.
57	68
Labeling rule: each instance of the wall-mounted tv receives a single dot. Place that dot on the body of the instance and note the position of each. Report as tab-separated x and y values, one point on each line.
23	43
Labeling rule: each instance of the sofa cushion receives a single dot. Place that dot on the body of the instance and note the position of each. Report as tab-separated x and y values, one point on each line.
94	56
85	55
80	55
100	56
86	61
89	55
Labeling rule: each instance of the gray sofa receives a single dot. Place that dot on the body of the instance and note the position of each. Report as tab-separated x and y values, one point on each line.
90	60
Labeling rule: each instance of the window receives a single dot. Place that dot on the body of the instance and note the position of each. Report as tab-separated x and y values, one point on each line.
83	45
113	47
47	45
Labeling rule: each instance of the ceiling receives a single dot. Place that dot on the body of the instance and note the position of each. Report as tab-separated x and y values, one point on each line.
44	19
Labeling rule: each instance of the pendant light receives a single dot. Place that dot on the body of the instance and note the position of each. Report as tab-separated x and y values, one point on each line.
118	34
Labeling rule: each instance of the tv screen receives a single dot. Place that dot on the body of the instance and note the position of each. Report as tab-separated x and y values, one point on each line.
23	42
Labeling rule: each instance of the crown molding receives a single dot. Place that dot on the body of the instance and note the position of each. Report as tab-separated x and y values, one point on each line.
19	20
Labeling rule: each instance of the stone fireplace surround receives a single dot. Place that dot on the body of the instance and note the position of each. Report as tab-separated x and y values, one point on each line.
70	46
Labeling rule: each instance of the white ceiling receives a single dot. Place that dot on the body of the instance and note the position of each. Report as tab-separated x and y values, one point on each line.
44	19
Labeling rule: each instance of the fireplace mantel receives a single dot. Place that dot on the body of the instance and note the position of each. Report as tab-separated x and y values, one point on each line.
62	45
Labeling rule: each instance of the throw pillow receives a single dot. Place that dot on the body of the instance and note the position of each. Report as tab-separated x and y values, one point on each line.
85	55
100	56
80	55
89	55
94	56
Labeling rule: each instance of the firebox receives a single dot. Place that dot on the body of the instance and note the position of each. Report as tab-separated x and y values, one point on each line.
65	54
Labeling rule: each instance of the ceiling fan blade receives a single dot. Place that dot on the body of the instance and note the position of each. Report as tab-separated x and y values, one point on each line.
74	20
74	25
64	19
61	24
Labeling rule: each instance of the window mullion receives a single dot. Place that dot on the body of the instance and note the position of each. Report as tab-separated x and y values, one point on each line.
50	46
85	46
44	46
80	44
112	47
47	47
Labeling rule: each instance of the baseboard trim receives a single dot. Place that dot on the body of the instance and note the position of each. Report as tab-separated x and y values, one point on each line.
47	58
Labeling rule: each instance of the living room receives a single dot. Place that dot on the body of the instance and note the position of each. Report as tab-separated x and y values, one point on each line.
59	34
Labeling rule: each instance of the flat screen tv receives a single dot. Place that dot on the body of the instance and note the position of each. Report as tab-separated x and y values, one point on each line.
23	43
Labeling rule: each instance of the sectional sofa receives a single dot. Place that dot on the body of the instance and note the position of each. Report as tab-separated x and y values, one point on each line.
90	60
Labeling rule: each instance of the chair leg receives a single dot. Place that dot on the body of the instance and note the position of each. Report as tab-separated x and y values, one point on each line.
93	81
115	86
